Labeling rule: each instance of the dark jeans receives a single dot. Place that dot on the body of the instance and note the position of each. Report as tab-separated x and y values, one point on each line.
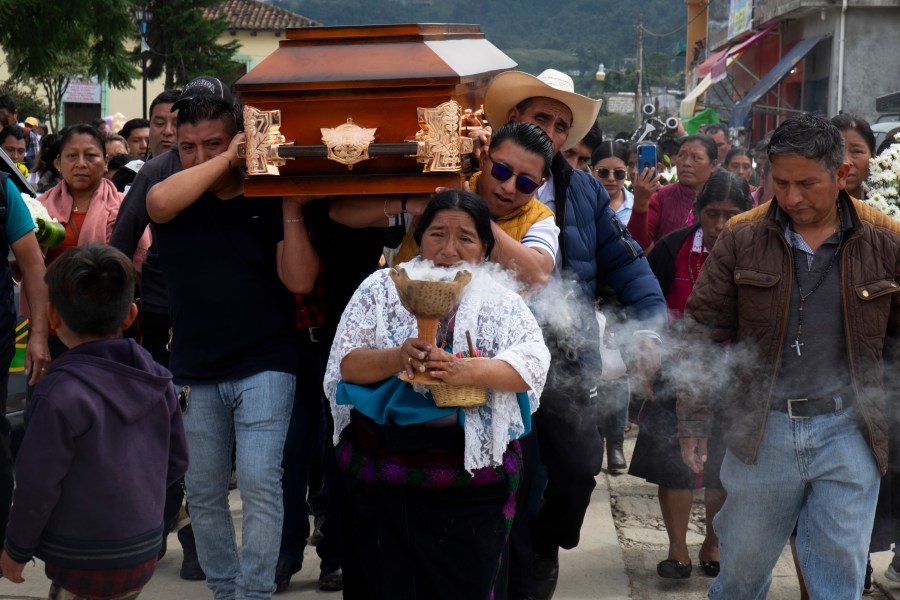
571	448
304	444
561	463
614	396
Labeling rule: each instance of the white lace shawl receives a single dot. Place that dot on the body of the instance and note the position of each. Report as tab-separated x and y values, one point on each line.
502	328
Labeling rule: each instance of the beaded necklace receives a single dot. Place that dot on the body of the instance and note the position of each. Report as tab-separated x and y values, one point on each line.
698	250
794	237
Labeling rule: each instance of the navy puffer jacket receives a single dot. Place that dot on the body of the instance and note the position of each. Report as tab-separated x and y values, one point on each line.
598	249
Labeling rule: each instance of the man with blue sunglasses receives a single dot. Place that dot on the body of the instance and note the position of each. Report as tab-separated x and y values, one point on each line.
515	166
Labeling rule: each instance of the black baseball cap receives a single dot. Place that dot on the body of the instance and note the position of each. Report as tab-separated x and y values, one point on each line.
203	86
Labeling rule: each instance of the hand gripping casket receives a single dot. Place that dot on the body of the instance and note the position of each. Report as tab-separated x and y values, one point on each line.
378	109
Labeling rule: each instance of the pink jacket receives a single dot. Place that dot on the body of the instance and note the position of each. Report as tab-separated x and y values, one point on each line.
100	217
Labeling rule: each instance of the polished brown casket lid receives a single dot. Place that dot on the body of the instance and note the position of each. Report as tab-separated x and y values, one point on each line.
376	75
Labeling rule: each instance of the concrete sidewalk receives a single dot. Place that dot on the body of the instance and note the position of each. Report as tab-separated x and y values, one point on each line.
880	562
594	570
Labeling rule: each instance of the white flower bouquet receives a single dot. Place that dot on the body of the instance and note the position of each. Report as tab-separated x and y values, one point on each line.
883	185
50	232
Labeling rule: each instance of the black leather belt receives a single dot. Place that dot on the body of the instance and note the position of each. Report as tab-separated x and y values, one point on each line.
804	408
315	334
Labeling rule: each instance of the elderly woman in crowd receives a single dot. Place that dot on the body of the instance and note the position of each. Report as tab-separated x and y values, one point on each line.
676	260
670	208
84	202
432	490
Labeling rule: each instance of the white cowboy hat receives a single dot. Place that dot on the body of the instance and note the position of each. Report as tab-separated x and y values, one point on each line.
511	87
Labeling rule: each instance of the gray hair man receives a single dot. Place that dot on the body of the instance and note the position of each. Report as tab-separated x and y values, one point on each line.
804	290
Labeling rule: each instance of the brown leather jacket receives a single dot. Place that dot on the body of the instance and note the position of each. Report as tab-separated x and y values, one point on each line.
743	296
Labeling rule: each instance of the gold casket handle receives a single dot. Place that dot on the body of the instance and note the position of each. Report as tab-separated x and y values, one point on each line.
439	144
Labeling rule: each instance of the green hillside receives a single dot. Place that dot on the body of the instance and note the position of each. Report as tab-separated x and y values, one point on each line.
570	35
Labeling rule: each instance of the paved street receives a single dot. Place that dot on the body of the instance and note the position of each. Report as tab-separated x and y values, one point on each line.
622	540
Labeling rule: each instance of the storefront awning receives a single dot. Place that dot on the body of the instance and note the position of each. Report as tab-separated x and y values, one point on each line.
704	68
740	114
717	69
690	101
689	104
713	69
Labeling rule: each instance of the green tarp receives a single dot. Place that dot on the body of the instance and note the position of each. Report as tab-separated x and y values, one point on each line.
707	116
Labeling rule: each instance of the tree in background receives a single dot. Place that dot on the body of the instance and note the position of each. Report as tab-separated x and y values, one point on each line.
183	43
47	43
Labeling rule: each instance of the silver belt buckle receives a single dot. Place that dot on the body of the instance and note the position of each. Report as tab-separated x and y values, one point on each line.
312	334
790	407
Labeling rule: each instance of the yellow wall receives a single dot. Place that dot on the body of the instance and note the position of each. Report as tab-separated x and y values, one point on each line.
697	11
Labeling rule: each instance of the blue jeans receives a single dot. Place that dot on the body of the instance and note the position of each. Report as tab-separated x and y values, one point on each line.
254	413
817	473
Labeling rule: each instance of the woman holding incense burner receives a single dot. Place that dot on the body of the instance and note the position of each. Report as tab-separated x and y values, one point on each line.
432	490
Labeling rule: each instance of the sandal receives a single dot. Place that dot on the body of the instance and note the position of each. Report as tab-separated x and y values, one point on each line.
673	569
710	568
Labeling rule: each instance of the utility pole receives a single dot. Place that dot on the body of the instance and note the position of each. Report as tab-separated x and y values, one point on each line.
639	69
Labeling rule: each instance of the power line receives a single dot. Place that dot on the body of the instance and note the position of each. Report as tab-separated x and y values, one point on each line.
685	26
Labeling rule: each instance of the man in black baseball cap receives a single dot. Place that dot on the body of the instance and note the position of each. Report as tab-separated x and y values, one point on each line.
203	86
234	347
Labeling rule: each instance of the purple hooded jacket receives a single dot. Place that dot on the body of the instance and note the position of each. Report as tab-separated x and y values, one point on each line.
104	440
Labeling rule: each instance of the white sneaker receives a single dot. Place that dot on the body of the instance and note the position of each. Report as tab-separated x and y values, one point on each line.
892	574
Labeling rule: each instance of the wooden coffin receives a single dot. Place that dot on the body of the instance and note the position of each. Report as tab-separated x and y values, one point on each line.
379	78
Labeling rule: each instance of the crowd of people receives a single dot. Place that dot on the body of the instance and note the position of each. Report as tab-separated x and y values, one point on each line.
744	317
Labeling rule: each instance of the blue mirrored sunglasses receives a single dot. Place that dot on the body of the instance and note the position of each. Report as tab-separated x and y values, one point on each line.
502	173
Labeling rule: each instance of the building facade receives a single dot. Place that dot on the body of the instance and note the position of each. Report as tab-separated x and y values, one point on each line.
757	62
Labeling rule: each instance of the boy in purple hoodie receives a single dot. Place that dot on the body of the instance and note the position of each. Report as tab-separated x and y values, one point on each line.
104	440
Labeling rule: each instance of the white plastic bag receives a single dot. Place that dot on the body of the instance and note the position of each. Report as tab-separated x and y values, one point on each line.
610	355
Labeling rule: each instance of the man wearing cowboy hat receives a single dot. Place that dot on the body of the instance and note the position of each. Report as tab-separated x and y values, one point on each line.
593	249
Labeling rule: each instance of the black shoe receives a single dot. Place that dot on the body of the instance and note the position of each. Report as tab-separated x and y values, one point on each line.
190	565
710	568
546	574
331	580
284	570
615	456
316	536
191	570
867	583
672	569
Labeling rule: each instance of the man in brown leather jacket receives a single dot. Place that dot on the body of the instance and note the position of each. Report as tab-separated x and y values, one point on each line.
803	289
